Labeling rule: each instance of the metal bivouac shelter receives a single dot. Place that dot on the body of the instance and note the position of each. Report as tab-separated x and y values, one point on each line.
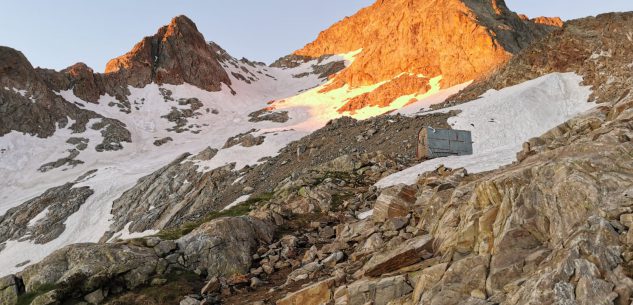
436	143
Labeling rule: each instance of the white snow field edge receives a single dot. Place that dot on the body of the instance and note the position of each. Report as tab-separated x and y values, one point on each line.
501	121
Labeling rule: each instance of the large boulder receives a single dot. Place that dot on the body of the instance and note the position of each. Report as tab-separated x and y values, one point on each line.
87	267
224	246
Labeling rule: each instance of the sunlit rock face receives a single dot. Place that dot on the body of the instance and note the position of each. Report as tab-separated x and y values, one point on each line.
461	40
177	53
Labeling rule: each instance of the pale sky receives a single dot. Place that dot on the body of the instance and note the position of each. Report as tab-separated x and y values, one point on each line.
56	34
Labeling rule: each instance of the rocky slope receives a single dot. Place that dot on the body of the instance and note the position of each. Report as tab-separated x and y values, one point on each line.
598	50
458	40
28	105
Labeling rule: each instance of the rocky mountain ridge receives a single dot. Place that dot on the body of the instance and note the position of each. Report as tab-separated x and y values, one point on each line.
457	40
176	54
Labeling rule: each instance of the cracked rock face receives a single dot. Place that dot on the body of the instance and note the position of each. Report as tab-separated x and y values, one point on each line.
172	195
41	219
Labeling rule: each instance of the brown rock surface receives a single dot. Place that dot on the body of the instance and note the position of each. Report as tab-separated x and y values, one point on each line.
394	202
177	53
551	21
28	103
404	255
460	40
587	46
316	294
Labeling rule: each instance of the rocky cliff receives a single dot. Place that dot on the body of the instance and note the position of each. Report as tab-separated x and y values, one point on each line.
29	105
177	53
456	39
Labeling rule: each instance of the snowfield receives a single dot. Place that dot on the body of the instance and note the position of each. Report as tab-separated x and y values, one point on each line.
501	121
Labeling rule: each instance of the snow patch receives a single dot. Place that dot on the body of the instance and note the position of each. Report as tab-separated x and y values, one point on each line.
365	215
501	121
125	233
237	201
38	217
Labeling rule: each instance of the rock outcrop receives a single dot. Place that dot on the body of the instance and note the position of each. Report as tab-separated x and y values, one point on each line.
96	272
10	289
591	47
176	54
41	219
172	195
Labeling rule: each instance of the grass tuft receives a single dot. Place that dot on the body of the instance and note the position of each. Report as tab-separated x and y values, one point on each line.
238	210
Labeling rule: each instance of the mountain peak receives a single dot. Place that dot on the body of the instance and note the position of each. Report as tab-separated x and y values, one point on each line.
182	19
177	53
460	40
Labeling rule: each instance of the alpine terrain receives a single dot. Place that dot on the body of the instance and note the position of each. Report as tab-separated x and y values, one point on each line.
184	175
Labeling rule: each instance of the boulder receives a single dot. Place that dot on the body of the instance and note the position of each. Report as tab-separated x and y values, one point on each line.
49	298
407	254
394	202
224	246
95	297
86	267
316	294
189	301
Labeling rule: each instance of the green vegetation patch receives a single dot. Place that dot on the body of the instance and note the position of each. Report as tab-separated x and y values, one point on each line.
238	210
27	298
179	284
